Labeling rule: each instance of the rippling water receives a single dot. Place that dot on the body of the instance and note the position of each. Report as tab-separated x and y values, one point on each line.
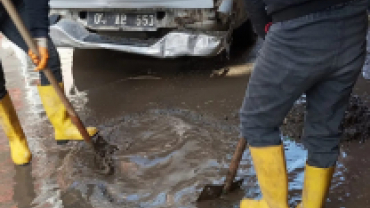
164	159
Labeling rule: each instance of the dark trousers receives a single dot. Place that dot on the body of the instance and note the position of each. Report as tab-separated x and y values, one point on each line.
320	55
10	31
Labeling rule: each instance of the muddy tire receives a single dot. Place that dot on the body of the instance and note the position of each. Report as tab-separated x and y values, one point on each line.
243	36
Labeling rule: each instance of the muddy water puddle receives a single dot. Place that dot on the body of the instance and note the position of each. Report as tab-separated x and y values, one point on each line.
164	159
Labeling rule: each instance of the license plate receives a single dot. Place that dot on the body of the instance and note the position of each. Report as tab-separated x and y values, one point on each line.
111	20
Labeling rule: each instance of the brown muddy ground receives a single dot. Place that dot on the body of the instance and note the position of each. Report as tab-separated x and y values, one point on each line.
354	145
175	123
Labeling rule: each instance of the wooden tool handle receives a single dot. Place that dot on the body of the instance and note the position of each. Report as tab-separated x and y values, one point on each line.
8	5
234	164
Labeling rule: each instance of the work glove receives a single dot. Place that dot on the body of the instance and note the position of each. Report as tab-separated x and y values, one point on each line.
41	61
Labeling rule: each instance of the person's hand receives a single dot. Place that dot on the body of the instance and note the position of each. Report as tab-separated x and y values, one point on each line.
40	61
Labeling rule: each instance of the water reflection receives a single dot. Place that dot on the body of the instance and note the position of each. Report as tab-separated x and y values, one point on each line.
171	156
165	157
23	189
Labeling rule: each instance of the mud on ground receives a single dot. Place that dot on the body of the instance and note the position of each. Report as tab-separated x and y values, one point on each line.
355	125
176	126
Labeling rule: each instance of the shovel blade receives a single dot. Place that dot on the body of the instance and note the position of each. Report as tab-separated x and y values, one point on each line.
236	185
211	192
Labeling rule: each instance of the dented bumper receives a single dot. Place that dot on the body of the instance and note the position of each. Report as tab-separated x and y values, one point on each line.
69	33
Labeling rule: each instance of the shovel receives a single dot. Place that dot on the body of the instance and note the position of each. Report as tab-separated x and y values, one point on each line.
102	163
215	191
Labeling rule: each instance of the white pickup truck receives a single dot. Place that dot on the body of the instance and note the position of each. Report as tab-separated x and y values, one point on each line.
158	28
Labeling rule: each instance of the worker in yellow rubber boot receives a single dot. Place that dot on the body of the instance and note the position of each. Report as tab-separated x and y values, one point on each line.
310	47
35	13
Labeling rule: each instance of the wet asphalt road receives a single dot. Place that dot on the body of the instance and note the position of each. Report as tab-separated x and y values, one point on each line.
175	123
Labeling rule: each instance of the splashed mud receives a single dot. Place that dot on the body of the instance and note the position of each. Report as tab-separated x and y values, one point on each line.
164	159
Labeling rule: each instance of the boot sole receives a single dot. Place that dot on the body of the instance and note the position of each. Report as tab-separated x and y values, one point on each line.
26	164
62	142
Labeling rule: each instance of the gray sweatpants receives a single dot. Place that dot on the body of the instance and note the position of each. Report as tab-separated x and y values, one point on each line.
320	54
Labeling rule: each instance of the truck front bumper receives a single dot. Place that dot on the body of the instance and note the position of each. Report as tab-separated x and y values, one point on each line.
68	33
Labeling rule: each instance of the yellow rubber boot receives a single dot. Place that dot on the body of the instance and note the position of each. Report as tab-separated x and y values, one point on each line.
316	187
269	163
20	153
65	130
